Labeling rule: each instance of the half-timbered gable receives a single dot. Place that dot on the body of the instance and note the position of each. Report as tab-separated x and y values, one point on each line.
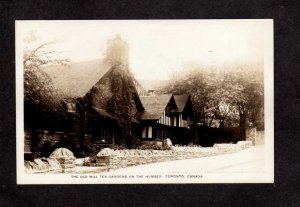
183	115
166	116
156	118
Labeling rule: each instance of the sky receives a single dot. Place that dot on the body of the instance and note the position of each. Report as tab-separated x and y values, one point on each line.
156	47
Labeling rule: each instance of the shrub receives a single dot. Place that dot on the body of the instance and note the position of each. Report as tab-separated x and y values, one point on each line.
46	149
93	148
136	143
119	147
166	148
152	146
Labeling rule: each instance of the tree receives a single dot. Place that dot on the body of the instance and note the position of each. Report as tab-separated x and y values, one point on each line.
198	83
224	110
40	98
228	97
245	85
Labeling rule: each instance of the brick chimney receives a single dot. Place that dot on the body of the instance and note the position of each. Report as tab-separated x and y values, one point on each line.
117	52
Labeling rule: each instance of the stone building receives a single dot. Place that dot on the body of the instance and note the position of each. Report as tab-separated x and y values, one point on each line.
101	103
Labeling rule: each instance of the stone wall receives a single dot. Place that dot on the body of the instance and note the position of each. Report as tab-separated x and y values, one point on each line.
63	160
251	134
114	159
65	157
60	161
27	142
260	137
43	165
42	142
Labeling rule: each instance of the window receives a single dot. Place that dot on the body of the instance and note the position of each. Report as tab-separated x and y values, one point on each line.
150	132
175	121
71	107
144	132
147	132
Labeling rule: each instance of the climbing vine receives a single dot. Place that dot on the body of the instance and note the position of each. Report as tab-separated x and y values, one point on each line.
121	102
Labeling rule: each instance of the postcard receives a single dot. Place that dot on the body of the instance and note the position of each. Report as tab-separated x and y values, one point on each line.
144	101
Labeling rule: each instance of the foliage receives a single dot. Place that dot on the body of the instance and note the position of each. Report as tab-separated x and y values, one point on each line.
136	142
229	97
40	98
151	146
121	102
93	148
246	88
118	147
37	84
208	136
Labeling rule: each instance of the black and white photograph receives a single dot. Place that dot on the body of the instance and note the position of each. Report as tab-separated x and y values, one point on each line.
144	101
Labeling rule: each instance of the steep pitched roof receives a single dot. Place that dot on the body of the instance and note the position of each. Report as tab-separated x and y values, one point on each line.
180	102
154	106
77	79
112	84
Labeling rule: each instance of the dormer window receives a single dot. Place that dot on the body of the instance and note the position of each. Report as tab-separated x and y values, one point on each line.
71	107
151	92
